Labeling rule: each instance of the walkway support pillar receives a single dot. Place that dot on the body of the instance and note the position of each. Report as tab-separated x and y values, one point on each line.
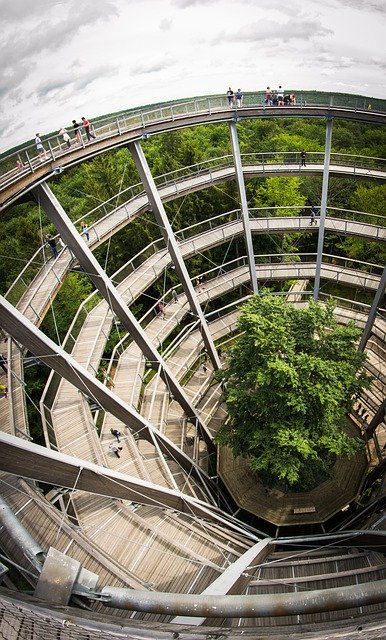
379	417
244	206
323	207
102	282
172	246
373	311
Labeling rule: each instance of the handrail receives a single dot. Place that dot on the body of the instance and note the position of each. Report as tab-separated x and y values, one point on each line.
25	159
183	234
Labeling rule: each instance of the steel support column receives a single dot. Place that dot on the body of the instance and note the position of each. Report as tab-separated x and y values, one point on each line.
244	206
377	419
323	207
91	266
57	359
373	311
172	246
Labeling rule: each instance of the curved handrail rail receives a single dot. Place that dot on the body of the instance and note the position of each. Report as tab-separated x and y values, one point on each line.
173	178
28	272
15	164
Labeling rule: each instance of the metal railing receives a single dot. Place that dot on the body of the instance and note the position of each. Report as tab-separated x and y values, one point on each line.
26	159
42	255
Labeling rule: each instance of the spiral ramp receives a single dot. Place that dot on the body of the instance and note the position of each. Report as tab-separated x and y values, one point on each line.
134	537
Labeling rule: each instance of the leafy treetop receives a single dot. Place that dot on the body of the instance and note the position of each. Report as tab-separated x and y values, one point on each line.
288	385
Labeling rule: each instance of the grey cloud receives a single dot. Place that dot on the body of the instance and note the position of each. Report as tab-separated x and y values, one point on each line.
190	3
287	8
96	73
14	11
272	30
8	126
19	49
75	84
364	5
29	39
11	79
346	62
166	24
151	67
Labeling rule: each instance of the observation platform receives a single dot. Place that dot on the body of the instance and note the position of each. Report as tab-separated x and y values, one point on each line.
287	508
168	544
123	128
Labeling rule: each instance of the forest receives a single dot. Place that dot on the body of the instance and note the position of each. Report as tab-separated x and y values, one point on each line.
108	177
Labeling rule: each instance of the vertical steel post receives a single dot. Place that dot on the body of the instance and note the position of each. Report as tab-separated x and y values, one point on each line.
244	206
172	246
373	311
323	207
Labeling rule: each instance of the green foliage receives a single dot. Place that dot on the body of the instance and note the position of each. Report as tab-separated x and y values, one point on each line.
74	290
279	192
288	385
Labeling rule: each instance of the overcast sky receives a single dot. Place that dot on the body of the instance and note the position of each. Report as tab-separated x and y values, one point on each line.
62	59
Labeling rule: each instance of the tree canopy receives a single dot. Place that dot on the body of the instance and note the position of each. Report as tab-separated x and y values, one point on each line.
288	385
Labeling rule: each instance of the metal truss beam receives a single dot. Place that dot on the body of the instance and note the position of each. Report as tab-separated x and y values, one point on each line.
29	460
93	269
373	311
244	206
172	246
22	330
234	578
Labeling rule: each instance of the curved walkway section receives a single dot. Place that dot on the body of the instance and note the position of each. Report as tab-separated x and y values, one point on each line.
114	132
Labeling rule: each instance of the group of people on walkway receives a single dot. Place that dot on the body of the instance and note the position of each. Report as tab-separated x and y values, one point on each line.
272	97
235	99
277	97
77	127
86	125
56	244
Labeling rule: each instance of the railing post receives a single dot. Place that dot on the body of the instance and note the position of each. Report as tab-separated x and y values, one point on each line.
29	161
51	150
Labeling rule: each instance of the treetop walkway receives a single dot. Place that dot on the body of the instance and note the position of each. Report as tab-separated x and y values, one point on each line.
22	168
176	537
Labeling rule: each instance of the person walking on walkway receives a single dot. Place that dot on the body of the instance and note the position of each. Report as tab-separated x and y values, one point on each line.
312	215
161	309
115	433
40	149
115	449
303	158
86	126
239	98
66	138
78	136
52	243
84	231
230	97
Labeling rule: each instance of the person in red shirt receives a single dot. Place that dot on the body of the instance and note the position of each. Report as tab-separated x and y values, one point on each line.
86	126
